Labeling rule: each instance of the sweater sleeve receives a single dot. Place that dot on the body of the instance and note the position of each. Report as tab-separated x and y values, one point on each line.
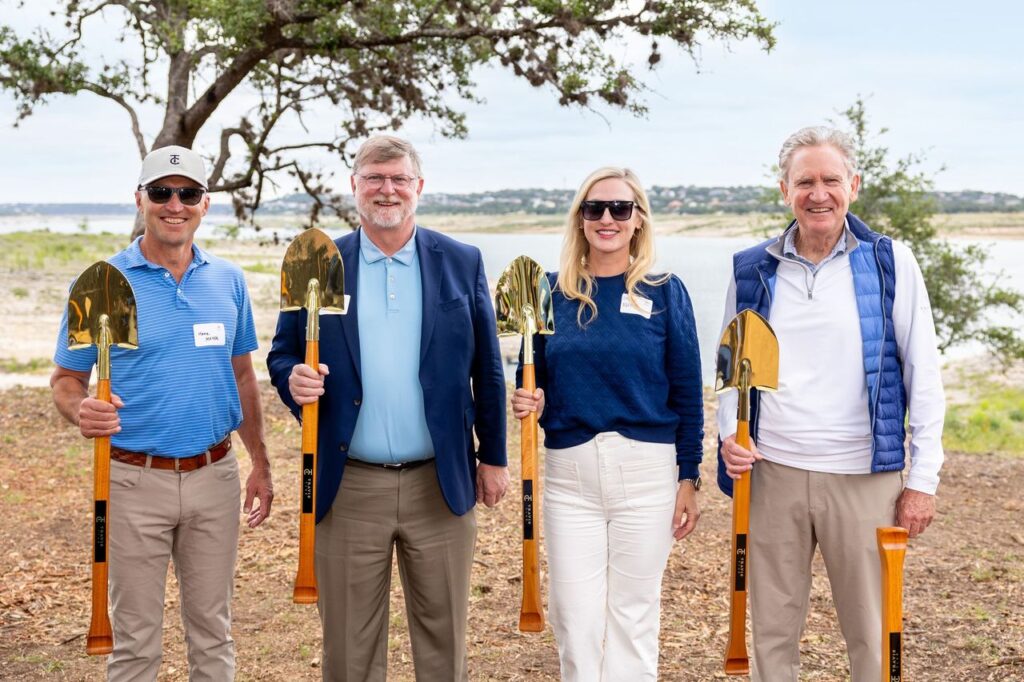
922	378
686	391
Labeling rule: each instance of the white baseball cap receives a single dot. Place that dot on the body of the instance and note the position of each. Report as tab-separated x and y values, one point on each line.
173	160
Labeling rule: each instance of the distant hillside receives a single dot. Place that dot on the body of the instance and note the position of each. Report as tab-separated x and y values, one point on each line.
671	200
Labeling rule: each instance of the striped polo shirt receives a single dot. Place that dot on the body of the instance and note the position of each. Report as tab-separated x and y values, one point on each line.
178	387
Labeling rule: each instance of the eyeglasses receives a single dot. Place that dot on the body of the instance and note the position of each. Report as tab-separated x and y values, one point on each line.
376	181
189	196
594	210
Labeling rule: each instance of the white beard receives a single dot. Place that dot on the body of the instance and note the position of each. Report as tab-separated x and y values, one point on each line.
387	218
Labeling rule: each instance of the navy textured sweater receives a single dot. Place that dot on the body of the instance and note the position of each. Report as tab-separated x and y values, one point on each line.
623	373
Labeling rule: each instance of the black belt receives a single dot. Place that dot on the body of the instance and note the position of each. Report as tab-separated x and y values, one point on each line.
391	467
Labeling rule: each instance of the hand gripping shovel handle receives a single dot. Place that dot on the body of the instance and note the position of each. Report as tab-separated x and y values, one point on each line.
305	581
531	614
100	640
892	547
736	661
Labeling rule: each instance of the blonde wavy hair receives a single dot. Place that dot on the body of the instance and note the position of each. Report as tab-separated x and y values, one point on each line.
574	278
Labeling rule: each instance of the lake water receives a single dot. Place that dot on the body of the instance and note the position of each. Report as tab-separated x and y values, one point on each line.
703	263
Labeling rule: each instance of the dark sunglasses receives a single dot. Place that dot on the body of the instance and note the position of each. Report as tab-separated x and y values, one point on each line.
158	194
594	210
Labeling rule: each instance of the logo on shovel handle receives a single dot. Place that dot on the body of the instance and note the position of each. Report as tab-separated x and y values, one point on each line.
100	532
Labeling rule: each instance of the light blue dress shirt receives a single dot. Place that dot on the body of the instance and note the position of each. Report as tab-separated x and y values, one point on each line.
392	424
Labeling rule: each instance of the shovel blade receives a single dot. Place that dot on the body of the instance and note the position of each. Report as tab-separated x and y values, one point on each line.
313	256
102	290
522	301
748	337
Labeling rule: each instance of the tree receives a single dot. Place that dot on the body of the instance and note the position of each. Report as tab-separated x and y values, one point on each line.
376	63
967	305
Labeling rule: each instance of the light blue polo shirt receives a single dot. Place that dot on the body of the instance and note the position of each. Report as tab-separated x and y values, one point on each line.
178	387
392	425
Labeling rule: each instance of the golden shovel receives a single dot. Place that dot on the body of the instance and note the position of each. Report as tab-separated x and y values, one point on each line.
101	312
892	547
312	277
748	357
522	304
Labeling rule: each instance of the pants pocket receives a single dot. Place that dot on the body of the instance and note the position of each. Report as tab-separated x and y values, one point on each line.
124	476
561	481
649	482
227	467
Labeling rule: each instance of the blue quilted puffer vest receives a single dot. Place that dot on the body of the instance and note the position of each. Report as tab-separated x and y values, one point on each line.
874	282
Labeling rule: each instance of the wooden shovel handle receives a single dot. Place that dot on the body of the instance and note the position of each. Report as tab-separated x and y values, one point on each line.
100	640
736	660
305	580
531	614
892	547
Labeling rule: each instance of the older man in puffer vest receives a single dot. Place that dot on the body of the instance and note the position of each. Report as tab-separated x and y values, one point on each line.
857	353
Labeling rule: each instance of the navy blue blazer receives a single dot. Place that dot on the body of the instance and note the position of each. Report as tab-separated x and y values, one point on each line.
460	369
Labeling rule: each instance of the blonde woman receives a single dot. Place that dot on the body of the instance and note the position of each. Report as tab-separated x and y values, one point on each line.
623	427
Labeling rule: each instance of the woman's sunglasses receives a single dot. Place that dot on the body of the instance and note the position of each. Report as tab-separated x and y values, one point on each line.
158	194
594	210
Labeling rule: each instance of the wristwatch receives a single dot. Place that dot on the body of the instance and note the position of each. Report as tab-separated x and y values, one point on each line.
696	482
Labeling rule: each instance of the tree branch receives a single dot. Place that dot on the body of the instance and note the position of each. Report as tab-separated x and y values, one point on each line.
136	129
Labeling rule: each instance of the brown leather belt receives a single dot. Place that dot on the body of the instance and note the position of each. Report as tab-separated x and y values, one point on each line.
216	453
392	467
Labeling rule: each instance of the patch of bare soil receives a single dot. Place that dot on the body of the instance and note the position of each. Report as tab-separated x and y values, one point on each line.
964	582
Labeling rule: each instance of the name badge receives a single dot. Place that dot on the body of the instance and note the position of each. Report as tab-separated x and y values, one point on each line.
643	306
208	334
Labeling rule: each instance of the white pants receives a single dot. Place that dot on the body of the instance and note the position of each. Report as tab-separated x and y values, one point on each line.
608	507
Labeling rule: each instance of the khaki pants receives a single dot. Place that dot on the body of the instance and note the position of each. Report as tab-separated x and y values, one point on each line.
791	512
192	517
376	512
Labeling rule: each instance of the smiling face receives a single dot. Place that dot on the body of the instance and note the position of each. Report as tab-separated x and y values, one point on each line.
171	225
609	239
819	190
386	207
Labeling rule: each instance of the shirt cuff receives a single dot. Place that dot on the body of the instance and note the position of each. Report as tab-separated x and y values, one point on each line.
921	482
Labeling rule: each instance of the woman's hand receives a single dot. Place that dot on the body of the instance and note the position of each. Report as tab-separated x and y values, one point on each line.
523	403
687	512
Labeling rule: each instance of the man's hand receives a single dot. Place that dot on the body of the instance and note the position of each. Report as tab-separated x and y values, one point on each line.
738	460
305	385
687	512
914	511
258	486
98	418
491	483
523	403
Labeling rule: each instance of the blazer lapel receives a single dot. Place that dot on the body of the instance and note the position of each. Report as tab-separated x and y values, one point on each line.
431	263
349	247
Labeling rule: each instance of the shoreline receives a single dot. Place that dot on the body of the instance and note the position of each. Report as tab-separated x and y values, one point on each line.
955	226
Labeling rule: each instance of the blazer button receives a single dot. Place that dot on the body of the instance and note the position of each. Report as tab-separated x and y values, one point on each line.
343	447
357	402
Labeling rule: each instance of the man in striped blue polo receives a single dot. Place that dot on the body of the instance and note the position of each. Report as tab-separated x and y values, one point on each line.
407	374
174	484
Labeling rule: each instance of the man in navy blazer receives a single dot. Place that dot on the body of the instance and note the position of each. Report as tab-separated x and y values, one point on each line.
407	373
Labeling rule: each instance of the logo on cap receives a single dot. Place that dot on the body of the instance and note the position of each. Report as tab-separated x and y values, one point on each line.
175	159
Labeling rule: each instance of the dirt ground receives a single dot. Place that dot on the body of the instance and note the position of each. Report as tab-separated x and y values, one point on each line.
964	594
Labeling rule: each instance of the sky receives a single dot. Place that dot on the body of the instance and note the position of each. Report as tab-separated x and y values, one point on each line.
946	78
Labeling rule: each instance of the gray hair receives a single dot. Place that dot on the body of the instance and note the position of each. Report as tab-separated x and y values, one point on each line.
815	136
382	148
